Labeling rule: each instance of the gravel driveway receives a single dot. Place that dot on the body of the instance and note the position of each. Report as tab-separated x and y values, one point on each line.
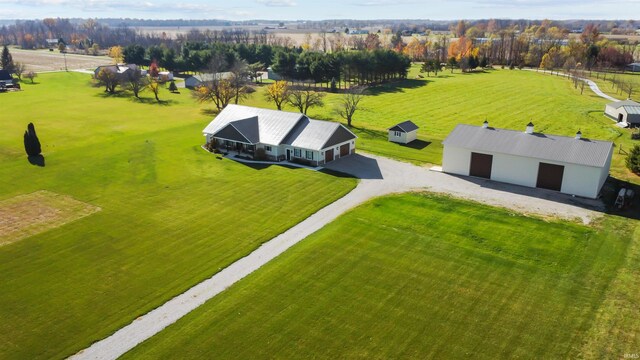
379	176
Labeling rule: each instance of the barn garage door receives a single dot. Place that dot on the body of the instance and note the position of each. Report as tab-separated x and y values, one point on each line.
344	150
328	156
481	165
550	176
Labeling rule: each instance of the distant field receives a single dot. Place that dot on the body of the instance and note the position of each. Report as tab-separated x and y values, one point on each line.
172	214
423	276
506	98
45	60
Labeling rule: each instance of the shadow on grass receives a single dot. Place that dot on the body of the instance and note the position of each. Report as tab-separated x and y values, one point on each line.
417	144
397	87
141	100
37	160
370	133
610	192
209	112
152	101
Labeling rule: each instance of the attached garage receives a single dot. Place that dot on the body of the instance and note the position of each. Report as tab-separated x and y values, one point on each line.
328	155
571	165
344	150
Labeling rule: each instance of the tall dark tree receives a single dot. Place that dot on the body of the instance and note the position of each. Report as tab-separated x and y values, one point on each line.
31	141
6	60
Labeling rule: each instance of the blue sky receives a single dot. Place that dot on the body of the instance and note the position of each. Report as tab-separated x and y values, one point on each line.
323	9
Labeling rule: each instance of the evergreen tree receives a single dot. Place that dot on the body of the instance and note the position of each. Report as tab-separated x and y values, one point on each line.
31	141
633	159
172	86
6	61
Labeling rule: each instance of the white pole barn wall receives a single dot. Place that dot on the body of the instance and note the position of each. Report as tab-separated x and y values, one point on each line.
578	180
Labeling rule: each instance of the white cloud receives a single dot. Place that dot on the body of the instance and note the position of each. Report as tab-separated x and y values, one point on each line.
278	3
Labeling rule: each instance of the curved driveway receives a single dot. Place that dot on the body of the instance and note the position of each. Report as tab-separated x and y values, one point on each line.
379	176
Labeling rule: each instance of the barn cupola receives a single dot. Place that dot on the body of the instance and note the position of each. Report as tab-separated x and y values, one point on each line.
529	129
485	124
579	135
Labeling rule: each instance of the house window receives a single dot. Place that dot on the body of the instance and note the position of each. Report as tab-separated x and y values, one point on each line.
309	154
267	148
297	152
397	133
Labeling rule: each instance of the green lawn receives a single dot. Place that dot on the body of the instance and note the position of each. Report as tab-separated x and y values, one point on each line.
425	276
506	98
171	214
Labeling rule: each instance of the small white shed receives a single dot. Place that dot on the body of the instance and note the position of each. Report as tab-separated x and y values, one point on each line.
403	133
626	112
571	165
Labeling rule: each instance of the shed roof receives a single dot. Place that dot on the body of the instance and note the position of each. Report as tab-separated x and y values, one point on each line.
536	145
619	104
405	126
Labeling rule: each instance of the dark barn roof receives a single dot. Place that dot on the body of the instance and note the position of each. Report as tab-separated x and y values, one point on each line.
406	126
5	75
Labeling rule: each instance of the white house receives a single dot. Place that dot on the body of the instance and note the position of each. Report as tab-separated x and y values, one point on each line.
283	135
572	165
626	112
403	133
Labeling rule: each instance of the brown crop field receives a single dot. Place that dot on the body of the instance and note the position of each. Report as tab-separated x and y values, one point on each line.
45	60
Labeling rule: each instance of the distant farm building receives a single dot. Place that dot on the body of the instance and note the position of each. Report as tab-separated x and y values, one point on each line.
634	67
194	81
403	133
272	75
571	165
626	112
120	69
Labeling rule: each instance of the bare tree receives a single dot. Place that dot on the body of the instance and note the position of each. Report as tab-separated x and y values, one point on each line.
303	99
239	79
18	69
254	71
349	103
31	75
135	81
218	90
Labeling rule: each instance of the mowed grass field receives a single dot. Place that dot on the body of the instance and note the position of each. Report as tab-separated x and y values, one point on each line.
171	214
506	98
424	276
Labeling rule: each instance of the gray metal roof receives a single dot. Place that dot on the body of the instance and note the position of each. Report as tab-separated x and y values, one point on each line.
632	109
273	125
405	126
545	147
618	104
317	134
